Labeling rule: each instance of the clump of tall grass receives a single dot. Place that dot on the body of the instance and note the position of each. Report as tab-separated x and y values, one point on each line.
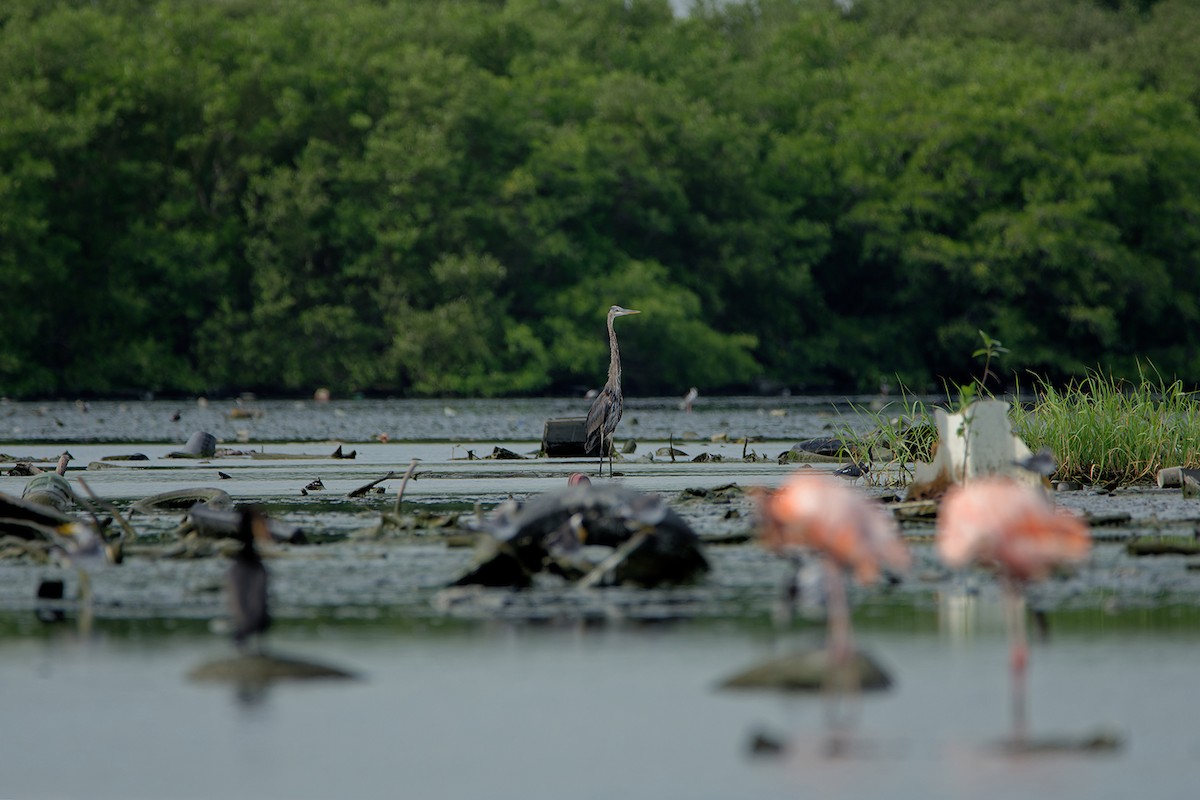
895	441
1105	430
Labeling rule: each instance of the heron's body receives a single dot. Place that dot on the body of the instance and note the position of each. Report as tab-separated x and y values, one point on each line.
606	409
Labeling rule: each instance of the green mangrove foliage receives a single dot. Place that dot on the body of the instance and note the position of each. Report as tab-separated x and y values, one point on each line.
444	198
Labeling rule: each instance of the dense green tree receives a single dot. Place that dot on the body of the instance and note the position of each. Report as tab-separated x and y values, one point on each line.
444	198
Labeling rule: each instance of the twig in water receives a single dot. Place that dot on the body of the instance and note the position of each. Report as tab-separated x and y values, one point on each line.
412	465
127	532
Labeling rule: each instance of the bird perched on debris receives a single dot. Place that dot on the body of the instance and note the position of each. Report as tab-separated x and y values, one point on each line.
606	409
1000	523
1041	463
247	580
853	471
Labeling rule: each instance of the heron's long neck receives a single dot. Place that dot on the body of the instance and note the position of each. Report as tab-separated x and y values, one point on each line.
614	356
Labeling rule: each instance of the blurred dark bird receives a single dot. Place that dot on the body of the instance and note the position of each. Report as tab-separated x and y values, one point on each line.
606	409
1042	462
248	606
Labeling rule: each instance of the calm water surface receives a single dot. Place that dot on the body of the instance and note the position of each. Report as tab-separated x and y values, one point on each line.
519	712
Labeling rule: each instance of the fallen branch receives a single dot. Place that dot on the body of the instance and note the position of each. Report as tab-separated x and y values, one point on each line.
619	555
360	491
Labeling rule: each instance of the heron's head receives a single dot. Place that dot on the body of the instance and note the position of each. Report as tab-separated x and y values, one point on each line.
617	311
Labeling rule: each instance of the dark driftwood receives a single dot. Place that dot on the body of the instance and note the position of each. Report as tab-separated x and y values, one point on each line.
1164	546
360	491
23	511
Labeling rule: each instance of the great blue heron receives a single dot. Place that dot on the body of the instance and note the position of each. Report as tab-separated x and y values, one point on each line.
606	409
248	608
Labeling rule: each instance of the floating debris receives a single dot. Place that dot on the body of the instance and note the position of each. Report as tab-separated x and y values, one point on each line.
199	445
975	442
183	499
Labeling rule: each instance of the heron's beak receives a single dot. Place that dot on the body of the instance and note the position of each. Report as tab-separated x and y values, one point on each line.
627	311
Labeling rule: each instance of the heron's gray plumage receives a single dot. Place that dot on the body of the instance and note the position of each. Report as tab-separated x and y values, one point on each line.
606	409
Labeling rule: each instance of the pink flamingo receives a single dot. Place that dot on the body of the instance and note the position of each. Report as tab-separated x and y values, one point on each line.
850	532
1013	528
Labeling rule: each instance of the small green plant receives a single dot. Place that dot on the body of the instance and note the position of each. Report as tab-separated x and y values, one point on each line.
991	351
